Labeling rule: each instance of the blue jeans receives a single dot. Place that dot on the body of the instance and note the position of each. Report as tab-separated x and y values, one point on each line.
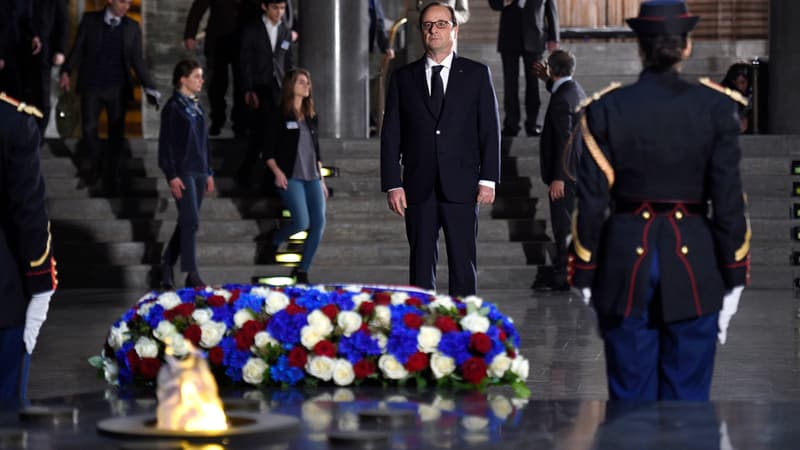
183	240
306	202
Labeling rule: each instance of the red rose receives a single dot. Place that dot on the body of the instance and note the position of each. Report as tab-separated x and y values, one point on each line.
382	298
133	360
235	295
412	320
148	367
298	357
244	340
480	342
414	301
331	311
293	309
367	308
364	368
502	336
365	328
252	327
511	353
216	355
325	348
445	324
417	362
216	301
193	333
474	370
184	309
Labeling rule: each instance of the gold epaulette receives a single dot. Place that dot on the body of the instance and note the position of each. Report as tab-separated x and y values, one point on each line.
596	96
21	106
736	96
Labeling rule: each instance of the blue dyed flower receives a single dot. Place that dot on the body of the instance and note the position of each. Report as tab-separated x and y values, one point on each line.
402	343
282	372
155	316
456	346
286	327
251	302
359	345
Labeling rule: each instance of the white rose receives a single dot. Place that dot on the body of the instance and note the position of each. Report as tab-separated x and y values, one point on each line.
211	333
383	316
442	365
349	322
164	329
520	367
177	344
474	423
309	337
253	371
428	338
474	300
320	322
202	315
382	340
111	371
343	395
118	335
146	347
475	323
391	367
428	413
358	299
144	309
352	288
500	364
501	407
442	301
320	367
275	301
263	339
222	293
399	298
169	300
242	316
343	373
260	291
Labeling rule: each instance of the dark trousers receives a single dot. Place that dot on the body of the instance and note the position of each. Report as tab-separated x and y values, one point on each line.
13	370
221	55
561	222
37	86
184	238
647	359
93	100
259	120
460	224
511	92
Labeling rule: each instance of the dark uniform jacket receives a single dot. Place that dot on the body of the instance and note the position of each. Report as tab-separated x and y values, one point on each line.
26	263
51	19
285	134
656	153
526	29
87	51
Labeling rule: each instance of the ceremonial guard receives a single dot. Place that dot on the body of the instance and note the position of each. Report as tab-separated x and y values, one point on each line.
27	267
660	235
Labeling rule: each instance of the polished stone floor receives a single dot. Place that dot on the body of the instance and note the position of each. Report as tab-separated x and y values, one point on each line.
755	394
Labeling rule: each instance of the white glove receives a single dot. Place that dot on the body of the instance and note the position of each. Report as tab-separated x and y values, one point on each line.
730	303
584	293
34	318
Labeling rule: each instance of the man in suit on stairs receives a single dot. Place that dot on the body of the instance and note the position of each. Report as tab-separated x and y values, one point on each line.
559	122
440	152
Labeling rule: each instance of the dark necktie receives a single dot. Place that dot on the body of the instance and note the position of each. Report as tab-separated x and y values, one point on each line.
437	90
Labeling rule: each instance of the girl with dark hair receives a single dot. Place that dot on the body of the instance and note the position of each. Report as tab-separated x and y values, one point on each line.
294	159
184	158
665	269
738	77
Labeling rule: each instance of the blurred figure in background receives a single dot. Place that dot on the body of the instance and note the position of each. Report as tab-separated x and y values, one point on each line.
739	78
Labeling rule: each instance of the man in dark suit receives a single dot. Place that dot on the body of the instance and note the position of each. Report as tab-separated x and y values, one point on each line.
440	152
18	41
50	20
266	55
559	121
28	276
527	27
107	48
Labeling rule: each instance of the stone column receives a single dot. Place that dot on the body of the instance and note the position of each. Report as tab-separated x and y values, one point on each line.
784	69
333	47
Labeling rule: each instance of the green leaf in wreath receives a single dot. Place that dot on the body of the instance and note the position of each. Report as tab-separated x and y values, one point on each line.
96	361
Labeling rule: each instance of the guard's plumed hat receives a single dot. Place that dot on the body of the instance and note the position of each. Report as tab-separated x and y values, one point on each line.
663	17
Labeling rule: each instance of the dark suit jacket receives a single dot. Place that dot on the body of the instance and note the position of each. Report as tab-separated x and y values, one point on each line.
222	19
260	66
527	29
25	245
559	121
50	22
665	140
282	144
88	45
456	150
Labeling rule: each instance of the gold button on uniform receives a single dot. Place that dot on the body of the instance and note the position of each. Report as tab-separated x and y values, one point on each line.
684	249
639	251
678	215
646	215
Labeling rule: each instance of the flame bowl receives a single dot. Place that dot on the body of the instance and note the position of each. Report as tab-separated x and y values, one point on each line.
241	425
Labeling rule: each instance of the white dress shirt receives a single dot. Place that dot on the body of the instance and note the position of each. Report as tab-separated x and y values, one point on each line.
272	31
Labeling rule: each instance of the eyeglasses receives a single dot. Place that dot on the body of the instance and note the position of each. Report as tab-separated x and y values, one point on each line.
439	24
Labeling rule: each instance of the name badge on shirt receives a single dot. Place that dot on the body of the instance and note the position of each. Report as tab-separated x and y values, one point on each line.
292	125
285	45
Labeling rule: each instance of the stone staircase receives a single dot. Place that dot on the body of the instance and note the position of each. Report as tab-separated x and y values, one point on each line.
116	242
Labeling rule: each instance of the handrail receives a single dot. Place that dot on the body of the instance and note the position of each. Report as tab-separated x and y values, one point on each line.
384	70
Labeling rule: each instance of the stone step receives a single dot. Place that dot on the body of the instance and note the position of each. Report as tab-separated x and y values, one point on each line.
147	230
